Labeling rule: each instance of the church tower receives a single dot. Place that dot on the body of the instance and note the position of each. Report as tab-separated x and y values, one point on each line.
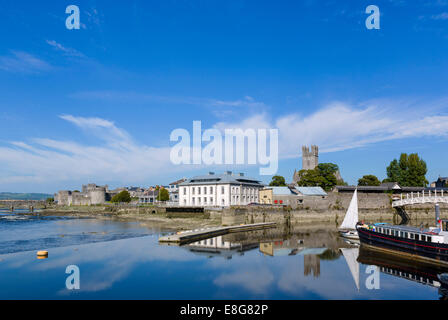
310	159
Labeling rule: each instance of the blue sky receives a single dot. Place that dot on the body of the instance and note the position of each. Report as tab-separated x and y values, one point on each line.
98	104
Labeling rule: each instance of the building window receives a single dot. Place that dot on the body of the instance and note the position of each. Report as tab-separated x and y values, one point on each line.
185	191
211	190
199	190
211	200
192	200
205	190
222	190
192	190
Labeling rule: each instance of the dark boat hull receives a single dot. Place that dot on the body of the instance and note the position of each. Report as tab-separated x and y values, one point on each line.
419	250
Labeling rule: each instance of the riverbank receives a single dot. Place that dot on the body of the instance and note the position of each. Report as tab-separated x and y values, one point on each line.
147	216
158	217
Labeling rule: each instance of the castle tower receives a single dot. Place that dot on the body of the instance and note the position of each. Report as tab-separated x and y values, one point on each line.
310	159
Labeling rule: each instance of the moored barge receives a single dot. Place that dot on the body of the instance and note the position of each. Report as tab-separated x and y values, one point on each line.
430	245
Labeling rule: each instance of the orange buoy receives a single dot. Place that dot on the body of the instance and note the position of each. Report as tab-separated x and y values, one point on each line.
42	254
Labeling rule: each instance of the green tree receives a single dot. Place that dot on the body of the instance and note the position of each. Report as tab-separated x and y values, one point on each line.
123	196
163	195
278	181
393	172
409	171
324	176
369	180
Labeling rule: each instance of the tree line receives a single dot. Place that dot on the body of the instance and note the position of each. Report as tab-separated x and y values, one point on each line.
409	171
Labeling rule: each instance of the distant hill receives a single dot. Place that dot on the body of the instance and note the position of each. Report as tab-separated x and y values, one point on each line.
24	196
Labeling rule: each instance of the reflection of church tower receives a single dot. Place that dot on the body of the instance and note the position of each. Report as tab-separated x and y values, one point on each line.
311	263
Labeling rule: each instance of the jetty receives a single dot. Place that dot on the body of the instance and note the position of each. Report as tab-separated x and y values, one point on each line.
200	234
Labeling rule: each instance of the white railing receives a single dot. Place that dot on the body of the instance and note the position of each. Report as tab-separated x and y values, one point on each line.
421	197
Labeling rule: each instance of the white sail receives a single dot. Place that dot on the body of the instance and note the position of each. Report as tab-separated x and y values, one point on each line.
351	216
351	256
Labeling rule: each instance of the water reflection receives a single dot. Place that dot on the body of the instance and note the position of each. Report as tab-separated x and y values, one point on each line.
293	247
410	270
219	247
351	258
298	263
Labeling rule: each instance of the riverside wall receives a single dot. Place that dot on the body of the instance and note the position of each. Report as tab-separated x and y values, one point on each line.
332	208
23	203
329	209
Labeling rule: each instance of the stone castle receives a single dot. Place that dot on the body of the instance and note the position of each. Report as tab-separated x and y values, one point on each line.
91	194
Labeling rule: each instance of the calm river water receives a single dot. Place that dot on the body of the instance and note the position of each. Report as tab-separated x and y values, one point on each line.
123	260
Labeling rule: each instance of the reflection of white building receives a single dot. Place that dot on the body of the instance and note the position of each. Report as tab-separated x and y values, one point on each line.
219	190
215	243
216	246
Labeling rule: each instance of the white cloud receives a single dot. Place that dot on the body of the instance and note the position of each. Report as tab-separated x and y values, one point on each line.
440	16
129	96
22	62
49	160
340	126
118	157
246	102
65	50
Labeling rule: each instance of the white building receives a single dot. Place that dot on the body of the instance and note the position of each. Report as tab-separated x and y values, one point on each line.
173	189
219	190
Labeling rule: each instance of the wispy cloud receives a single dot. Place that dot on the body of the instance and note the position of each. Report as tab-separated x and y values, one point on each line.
66	51
130	96
116	156
219	107
246	102
440	16
341	126
44	160
22	62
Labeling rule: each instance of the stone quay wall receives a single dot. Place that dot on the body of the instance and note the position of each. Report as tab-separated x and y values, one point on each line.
332	208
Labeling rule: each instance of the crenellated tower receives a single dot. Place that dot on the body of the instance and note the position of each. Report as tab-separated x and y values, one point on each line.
310	158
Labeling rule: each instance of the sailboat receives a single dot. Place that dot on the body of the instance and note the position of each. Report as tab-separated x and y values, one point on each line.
348	226
351	256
